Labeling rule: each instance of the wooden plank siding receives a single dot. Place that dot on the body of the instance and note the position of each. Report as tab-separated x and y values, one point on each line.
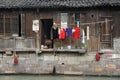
116	24
91	17
94	43
28	24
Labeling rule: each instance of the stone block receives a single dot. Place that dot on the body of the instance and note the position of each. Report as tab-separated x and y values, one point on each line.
73	72
11	71
98	69
110	66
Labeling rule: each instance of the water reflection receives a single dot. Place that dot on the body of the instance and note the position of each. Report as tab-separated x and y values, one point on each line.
56	77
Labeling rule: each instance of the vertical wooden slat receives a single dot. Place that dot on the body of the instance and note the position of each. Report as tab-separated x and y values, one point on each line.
28	25
4	24
11	25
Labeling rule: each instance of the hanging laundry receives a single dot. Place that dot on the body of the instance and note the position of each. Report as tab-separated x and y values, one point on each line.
76	32
68	32
88	33
62	34
54	32
83	36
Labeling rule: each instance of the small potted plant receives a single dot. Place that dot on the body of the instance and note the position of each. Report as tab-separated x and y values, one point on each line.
58	45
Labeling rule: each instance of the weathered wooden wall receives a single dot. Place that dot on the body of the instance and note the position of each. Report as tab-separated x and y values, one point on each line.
116	24
91	17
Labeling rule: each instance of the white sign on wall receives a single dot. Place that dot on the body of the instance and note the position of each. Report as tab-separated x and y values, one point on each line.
35	26
64	19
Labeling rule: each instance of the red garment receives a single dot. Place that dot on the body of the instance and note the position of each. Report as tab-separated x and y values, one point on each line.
76	33
15	60
97	56
62	34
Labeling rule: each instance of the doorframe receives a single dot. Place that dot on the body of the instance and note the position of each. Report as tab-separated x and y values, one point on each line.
41	30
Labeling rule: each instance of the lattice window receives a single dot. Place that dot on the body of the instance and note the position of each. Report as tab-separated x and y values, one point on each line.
8	25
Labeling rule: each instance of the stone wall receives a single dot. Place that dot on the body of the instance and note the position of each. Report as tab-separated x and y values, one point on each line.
116	45
67	63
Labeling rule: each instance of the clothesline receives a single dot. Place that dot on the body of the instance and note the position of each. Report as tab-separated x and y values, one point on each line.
95	22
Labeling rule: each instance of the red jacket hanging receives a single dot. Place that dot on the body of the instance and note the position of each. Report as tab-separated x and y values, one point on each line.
76	33
62	34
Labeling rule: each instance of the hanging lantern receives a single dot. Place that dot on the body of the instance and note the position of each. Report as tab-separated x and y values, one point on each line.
15	59
97	56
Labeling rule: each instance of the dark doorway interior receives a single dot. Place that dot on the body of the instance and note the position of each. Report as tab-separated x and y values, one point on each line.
19	32
46	30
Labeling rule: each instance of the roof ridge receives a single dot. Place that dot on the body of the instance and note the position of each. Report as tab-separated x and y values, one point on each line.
57	3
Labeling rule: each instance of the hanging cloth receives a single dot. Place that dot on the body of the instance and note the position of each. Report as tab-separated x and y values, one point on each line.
62	34
76	33
83	36
68	32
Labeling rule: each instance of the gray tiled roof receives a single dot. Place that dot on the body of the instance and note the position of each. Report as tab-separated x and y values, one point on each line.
56	3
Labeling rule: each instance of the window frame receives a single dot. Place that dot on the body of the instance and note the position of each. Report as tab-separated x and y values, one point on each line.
7	25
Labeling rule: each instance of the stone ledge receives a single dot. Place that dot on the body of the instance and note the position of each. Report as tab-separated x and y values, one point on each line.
73	72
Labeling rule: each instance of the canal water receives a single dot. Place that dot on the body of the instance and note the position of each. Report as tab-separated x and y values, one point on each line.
54	77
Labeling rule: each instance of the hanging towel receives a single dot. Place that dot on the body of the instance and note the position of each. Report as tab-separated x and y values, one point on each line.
83	36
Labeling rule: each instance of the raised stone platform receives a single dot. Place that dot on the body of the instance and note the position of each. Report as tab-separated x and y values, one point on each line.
69	64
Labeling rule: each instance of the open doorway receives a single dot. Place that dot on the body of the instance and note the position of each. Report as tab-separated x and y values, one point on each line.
46	32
